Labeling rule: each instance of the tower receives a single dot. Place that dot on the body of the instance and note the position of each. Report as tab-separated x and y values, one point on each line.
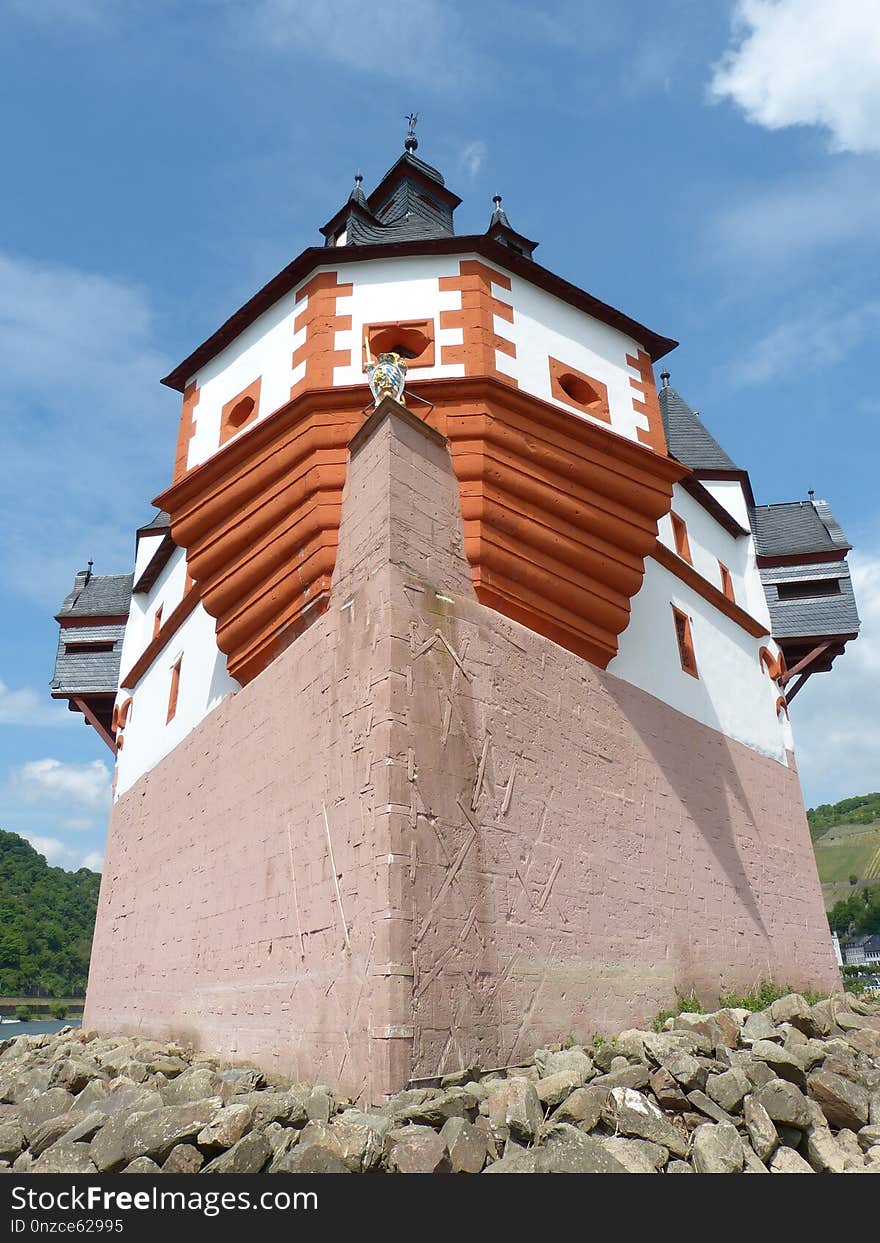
449	727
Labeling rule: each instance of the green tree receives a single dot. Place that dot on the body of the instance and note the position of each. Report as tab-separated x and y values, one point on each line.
47	917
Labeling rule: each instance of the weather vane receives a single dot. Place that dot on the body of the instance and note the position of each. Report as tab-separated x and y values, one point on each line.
411	142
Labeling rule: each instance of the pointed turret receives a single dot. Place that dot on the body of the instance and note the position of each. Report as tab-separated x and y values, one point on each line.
500	231
410	203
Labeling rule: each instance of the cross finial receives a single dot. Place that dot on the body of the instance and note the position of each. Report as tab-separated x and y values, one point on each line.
411	142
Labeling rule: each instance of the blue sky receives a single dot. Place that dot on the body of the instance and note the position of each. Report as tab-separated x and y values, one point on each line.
711	168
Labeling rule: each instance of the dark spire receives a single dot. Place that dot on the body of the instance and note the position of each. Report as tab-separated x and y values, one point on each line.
664	377
411	142
357	195
500	231
499	215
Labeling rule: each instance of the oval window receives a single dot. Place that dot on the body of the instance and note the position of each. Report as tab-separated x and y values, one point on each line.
578	390
241	412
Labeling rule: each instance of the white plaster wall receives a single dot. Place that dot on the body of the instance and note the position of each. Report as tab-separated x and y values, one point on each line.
387	290
546	327
203	677
711	543
729	494
167	591
732	693
147	545
264	351
204	682
407	288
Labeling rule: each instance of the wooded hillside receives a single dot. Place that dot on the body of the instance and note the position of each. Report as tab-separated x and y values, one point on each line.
47	917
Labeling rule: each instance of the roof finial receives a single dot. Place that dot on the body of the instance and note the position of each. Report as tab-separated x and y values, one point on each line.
499	216
811	493
89	571
664	376
357	194
411	142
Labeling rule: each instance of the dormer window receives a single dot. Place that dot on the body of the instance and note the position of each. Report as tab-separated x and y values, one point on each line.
804	589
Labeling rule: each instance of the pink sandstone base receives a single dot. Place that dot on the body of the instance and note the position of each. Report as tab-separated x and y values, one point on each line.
426	837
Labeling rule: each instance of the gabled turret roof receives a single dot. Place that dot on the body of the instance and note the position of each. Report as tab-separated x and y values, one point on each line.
797	527
688	439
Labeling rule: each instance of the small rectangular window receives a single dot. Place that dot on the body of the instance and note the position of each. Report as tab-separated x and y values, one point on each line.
680	535
175	687
803	589
726	581
157	621
88	645
685	639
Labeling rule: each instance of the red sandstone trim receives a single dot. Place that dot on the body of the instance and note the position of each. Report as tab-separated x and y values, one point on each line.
321	323
233	419
411	333
595	401
155	646
559	514
117	619
480	244
680	535
191	396
476	320
647	402
803	558
668	559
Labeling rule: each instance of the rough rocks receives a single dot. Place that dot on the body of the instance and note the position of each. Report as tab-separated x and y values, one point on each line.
794	1088
717	1149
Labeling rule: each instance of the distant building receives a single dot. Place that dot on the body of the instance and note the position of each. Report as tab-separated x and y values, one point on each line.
444	730
861	951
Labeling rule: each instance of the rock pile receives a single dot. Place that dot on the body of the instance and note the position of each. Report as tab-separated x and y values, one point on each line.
791	1089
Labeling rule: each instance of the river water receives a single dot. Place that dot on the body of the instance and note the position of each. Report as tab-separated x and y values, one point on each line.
35	1027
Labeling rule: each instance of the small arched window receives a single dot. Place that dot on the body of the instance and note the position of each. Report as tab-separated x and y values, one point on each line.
413	340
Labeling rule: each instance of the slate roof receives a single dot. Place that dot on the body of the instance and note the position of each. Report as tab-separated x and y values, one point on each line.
161	522
688	439
410	203
796	527
98	595
812	616
79	669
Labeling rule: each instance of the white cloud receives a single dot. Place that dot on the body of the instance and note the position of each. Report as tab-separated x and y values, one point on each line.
813	339
806	62
26	707
51	780
835	715
58	854
424	41
793	221
472	158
